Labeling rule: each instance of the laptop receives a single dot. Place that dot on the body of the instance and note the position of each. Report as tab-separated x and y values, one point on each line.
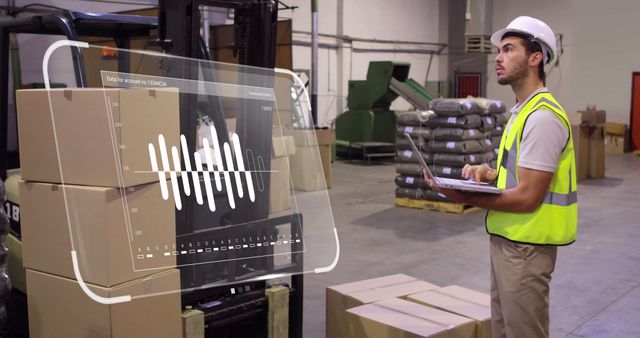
450	183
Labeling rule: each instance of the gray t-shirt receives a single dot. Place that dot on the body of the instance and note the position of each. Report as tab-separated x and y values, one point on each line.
543	139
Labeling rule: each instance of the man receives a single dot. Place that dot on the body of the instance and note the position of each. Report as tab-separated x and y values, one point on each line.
537	209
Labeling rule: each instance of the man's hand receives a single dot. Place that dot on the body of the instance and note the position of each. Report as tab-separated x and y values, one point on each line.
479	173
452	194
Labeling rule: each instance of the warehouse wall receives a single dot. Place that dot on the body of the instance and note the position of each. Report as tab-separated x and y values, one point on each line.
409	20
459	61
605	53
600	52
554	13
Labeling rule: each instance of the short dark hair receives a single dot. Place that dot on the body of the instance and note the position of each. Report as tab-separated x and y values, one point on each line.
531	46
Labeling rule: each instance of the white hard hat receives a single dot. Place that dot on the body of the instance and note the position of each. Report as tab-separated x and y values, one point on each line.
537	29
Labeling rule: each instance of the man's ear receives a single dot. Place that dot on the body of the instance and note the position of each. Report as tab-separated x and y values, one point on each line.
535	59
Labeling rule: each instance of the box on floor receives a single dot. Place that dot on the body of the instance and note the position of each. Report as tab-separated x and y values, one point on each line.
340	298
616	138
311	164
398	318
461	301
280	178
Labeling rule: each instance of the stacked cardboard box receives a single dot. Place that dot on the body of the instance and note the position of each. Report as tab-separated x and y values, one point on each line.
464	302
311	162
387	307
342	297
96	142
455	133
591	162
616	138
283	147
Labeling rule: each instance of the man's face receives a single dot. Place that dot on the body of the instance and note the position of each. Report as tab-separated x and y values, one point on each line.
512	61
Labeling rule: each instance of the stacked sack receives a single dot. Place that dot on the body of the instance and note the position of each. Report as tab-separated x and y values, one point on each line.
453	133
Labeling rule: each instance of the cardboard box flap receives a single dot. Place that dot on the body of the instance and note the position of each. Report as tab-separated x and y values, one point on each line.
452	304
370	296
445	319
373	283
417	326
593	116
160	283
283	146
467	294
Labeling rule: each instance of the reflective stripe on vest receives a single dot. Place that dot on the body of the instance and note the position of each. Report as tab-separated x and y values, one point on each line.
555	220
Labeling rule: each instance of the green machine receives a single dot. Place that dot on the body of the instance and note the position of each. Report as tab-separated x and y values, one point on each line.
369	127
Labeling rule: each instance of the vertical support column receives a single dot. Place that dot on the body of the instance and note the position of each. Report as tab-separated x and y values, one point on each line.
4	98
179	34
314	61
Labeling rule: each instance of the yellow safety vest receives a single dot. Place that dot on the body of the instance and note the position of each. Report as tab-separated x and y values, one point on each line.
555	221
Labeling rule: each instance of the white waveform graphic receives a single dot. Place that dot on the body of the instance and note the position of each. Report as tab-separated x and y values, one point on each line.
217	170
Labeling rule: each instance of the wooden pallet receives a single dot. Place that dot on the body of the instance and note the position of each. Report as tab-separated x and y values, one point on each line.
456	208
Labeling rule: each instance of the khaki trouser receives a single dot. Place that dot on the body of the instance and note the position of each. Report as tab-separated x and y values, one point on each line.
520	276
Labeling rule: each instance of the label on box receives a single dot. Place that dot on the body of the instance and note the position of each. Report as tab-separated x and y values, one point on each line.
408	130
451	145
409	180
407	153
446	170
452	120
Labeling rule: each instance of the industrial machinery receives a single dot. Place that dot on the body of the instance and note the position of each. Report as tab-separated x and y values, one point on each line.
235	309
368	127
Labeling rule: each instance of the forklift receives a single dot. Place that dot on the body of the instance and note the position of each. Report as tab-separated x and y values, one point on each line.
227	313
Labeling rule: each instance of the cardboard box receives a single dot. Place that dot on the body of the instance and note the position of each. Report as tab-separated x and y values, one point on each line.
596	151
581	150
280	178
461	301
59	308
283	116
99	229
341	297
15	268
397	318
85	120
313	152
616	138
591	117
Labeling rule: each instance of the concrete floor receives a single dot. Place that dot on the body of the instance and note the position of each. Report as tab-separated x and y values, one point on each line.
595	290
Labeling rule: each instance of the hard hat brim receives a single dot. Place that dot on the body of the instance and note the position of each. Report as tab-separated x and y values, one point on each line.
497	36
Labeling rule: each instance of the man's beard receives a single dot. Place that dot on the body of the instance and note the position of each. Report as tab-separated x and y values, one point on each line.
519	72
